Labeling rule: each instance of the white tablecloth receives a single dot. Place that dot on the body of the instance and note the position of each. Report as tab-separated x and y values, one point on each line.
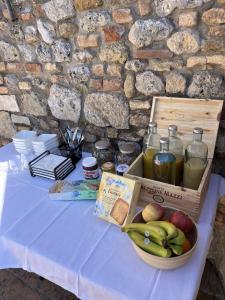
65	243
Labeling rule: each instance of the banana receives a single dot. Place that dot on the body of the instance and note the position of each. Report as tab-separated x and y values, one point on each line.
177	249
170	229
179	240
149	246
150	231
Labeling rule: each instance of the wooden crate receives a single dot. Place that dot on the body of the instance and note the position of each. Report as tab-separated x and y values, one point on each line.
186	114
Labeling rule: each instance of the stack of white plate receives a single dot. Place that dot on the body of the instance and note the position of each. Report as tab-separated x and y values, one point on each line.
45	142
23	141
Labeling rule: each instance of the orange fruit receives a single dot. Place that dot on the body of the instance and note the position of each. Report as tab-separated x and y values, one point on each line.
186	246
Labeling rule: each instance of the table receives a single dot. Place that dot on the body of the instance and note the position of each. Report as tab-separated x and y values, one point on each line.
65	243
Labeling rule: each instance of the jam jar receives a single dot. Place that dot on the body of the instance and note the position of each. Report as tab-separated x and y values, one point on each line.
103	152
126	154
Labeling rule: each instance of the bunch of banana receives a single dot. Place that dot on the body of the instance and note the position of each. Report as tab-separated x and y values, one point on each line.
160	238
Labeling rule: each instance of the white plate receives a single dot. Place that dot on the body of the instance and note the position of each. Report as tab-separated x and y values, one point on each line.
24	135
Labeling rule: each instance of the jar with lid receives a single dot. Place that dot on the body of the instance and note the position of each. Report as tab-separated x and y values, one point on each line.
126	154
103	152
108	167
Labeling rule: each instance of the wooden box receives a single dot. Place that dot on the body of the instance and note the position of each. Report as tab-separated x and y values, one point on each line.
186	114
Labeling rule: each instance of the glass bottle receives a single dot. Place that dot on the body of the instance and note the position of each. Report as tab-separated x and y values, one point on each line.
150	147
176	147
195	162
164	163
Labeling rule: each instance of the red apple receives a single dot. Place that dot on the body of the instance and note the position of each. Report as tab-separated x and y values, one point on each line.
153	212
182	221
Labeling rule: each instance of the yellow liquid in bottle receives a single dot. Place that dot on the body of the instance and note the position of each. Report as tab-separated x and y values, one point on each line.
193	172
178	170
148	163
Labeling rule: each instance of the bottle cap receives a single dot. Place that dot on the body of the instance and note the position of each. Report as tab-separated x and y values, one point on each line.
172	128
152	124
127	148
89	162
164	140
198	130
122	169
102	144
108	166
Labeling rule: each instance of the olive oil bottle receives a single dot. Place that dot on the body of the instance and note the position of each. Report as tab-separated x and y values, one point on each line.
176	147
164	163
195	162
150	147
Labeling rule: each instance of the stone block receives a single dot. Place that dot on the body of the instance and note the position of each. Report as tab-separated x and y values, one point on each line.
27	17
6	127
184	42
218	30
129	83
20	119
113	33
88	41
13	67
188	19
139	119
165	65
144	32
87	4
104	109
122	15
175	83
95	84
194	61
91	20
65	103
4	90
33	104
149	84
139	104
114	70
83	56
213	45
9	103
8	52
33	68
98	69
112	85
67	30
115	52
144	7
2	66
214	16
25	85
152	53
52	68
57	10
46	30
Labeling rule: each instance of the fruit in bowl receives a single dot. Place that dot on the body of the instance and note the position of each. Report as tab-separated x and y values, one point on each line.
162	243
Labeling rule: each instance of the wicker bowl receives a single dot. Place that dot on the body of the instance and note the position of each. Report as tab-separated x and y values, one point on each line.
173	261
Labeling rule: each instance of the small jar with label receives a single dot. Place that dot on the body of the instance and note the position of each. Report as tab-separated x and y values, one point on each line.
90	168
108	167
126	154
121	169
103	152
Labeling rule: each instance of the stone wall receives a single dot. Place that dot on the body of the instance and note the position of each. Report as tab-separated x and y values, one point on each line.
99	63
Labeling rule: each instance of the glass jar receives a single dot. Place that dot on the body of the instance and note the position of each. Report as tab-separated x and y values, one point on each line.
150	147
126	154
108	167
103	152
195	163
164	163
